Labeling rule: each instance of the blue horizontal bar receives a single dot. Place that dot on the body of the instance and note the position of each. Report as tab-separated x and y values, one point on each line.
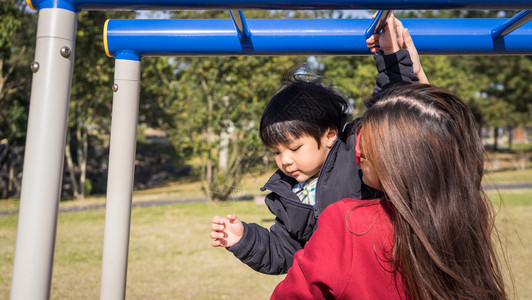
279	4
305	37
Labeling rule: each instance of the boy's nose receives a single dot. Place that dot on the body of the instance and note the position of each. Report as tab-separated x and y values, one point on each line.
286	160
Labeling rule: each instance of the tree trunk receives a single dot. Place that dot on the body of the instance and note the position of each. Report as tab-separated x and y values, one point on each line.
223	156
4	91
209	178
265	162
16	161
4	165
12	186
70	166
2	77
495	138
82	146
510	137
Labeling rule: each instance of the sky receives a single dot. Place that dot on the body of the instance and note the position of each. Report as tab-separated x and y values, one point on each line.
360	14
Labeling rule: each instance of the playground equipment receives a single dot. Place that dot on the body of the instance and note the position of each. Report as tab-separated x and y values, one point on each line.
129	40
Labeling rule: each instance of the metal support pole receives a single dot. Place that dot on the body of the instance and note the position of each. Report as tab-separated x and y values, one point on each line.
44	154
512	24
240	24
120	179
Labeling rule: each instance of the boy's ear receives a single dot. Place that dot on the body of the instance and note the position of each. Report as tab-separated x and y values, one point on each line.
332	134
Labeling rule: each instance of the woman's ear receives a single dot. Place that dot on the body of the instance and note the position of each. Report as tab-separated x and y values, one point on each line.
332	134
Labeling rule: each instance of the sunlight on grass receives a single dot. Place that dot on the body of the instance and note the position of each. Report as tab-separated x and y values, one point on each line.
511	198
170	256
513	176
515	227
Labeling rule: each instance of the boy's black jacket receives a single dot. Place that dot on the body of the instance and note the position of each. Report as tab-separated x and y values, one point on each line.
272	251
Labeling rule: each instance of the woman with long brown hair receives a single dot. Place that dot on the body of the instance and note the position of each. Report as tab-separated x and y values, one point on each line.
430	235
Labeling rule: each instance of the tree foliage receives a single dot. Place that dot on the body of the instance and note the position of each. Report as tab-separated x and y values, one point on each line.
497	88
17	40
90	104
210	106
217	105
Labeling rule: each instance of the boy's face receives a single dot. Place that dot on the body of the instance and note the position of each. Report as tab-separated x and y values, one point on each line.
301	158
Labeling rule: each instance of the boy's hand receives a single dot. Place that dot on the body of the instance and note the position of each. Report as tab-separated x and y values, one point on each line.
226	232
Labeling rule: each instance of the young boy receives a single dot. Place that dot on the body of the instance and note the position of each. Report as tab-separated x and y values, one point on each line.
303	125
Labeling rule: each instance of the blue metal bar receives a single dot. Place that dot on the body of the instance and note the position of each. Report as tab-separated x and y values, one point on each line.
512	24
305	37
278	4
240	24
378	23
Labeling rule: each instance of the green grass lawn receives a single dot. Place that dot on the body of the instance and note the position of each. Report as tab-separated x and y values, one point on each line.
514	222
170	255
508	176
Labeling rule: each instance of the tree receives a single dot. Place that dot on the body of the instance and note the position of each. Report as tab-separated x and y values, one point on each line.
508	93
17	39
90	102
218	106
497	89
354	76
218	103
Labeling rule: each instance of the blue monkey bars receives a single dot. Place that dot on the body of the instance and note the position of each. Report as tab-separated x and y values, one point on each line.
278	4
129	40
304	37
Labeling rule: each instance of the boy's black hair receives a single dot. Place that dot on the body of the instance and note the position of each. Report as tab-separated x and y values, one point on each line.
302	106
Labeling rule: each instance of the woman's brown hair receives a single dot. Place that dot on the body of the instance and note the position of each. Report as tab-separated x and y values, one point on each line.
424	146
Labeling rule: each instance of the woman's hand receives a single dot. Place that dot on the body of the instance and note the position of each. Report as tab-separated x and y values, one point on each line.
393	38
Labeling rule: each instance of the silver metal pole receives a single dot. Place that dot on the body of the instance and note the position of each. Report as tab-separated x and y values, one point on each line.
120	181
44	154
